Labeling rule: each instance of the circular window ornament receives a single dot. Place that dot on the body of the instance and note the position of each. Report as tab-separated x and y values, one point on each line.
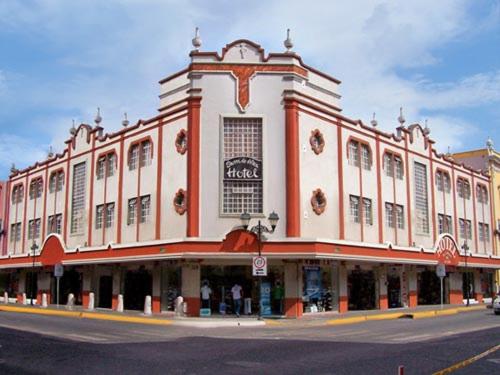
180	202
317	141
181	141
318	202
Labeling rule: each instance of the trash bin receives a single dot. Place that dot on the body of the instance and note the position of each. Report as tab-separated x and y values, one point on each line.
247	307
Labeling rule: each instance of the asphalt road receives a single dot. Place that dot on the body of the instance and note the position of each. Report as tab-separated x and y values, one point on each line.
47	344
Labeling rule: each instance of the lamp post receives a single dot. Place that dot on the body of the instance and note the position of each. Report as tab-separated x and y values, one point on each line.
258	230
34	248
465	248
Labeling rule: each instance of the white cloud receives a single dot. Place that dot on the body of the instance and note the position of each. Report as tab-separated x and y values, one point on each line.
19	150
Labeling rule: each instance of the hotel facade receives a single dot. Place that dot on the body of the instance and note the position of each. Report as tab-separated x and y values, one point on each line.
154	209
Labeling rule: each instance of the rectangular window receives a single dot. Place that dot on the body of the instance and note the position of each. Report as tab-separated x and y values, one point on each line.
354	205
110	215
482	194
446	182
60	181
111	162
132	208
55	224
367	211
400	216
365	157
439	181
34	229
78	198
394	215
145	153
388	165
52	182
463	188
242	150
399	167
421	199
133	157
145	208
465	229
15	232
354	153
36	188
484	234
101	166
99	213
389	215
445	225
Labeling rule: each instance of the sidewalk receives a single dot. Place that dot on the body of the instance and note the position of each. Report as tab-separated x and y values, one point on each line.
321	319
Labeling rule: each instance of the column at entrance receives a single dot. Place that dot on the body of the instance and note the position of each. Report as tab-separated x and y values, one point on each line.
293	290
343	295
117	275
86	286
21	287
382	288
412	286
191	288
156	300
456	288
44	286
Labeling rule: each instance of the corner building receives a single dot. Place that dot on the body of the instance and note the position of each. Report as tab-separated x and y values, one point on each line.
154	208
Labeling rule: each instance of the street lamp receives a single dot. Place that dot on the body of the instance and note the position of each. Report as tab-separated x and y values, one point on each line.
259	229
465	248
34	248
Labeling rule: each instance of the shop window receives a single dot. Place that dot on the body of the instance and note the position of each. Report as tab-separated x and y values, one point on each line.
181	141
318	201
319	289
180	202
317	141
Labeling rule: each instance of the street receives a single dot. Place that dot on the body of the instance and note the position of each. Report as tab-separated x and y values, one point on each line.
48	344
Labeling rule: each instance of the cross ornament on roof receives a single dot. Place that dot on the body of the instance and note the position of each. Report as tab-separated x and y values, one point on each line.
243	50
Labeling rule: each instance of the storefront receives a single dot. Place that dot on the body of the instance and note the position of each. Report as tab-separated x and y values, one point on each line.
320	287
394	287
137	285
429	287
362	289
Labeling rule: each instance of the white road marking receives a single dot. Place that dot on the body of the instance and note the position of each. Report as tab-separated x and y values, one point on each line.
74	336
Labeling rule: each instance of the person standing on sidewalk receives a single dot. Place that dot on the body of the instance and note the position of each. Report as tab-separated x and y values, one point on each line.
237	292
206	292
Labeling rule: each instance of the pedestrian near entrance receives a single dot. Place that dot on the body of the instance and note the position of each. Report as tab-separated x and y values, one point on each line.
206	292
237	292
278	294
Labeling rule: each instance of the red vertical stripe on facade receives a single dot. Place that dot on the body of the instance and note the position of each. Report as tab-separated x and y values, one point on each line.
395	200
193	167
408	198
66	195
45	191
361	200
292	169
493	219
25	213
455	219
341	181
6	221
433	196
120	193
379	191
91	198
159	180
474	222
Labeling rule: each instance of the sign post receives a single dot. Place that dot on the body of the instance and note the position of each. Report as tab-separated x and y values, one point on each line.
259	266
58	272
441	273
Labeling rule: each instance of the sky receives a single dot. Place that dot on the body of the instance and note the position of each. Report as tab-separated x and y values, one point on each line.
60	60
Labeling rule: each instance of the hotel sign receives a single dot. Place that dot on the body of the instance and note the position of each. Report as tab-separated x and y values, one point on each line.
242	169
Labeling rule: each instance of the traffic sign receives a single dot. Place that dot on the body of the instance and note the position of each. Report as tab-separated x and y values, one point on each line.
58	270
259	266
441	270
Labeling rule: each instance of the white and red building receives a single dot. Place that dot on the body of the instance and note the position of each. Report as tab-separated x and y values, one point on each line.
154	208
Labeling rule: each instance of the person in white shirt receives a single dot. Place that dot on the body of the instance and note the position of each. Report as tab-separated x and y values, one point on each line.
237	292
206	292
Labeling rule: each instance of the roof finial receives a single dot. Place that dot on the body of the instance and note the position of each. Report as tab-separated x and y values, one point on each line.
401	118
72	130
373	121
427	131
196	40
448	153
98	117
489	144
13	169
50	154
288	41
125	121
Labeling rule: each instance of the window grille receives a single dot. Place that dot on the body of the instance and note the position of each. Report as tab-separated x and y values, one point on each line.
133	157
389	215
145	208
36	188
145	153
60	181
17	194
354	205
78	198
367	211
111	162
484	234
365	157
110	214
354	153
399	167
132	208
15	232
421	200
463	188
394	215
34	229
400	216
444	223
242	138
52	182
465	229
439	181
55	224
388	164
482	194
99	213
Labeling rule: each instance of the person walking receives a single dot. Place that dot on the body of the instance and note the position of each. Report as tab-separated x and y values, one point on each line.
237	292
206	292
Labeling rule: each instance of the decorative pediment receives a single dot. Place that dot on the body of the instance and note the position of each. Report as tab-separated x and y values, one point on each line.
447	250
243	51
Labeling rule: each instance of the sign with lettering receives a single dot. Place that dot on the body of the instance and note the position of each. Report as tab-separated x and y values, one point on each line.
243	169
447	251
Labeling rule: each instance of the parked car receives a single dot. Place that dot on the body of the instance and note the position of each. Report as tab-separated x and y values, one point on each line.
496	306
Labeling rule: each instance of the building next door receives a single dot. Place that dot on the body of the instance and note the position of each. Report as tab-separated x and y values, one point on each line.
105	292
138	285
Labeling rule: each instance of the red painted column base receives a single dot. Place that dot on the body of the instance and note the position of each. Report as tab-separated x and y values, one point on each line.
343	304
156	305
193	306
456	297
19	298
114	301
479	297
413	298
293	307
85	299
383	302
